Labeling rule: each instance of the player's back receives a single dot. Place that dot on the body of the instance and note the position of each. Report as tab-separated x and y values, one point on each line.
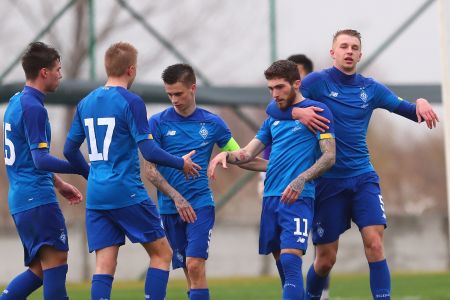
108	117
28	186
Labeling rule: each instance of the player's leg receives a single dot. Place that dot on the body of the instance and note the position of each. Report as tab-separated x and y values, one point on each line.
157	277
54	267
380	279
332	217
276	256
104	237
269	232
105	267
175	229
25	283
318	272
295	223
197	250
369	215
142	224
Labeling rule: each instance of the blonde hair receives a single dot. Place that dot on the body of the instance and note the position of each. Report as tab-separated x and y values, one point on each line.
119	57
350	32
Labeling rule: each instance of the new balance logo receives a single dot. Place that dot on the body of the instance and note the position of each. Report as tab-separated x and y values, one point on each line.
333	94
301	240
171	133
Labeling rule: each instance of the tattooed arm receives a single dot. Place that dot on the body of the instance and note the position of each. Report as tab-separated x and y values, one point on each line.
185	210
237	157
326	161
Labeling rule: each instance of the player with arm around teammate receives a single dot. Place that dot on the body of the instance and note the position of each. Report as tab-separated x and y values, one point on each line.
30	168
298	157
350	191
114	122
187	208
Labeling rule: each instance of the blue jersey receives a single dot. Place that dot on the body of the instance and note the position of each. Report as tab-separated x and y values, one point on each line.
113	120
294	150
351	99
179	135
25	128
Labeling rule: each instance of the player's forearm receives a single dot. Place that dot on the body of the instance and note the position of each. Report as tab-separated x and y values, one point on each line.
57	181
152	174
239	157
324	163
258	164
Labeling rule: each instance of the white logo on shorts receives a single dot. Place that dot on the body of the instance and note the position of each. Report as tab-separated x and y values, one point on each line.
63	237
301	240
320	231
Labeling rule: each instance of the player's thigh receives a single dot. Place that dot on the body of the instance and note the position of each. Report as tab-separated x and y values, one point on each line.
175	229
269	229
102	230
332	210
295	221
41	226
368	206
140	222
199	233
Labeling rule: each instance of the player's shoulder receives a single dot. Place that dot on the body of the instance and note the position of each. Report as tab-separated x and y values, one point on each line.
206	115
130	97
166	115
311	102
315	77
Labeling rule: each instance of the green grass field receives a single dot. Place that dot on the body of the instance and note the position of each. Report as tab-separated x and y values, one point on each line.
435	286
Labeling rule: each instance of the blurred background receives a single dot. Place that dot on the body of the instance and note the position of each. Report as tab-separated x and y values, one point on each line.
230	44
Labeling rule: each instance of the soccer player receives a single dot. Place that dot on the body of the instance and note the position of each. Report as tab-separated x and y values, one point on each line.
350	191
288	201
188	223
114	121
31	197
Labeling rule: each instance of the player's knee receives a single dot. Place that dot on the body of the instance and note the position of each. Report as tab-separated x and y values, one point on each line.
196	268
374	249
104	266
324	264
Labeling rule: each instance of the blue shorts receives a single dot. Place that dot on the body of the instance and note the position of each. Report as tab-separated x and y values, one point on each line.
189	239
340	201
285	226
40	226
140	222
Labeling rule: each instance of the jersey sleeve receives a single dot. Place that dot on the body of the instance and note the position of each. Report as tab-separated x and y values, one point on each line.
326	113
385	98
35	119
223	133
76	133
137	120
264	134
310	84
155	130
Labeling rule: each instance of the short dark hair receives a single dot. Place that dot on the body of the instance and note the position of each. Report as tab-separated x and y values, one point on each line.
350	32
283	69
179	73
37	56
301	59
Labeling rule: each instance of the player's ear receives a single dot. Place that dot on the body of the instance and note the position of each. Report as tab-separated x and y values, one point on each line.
193	87
297	84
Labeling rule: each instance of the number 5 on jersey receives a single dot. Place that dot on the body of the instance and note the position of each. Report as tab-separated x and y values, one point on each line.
94	155
11	158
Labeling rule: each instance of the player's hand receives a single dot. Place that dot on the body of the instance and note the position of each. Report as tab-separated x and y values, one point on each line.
71	193
293	191
220	158
308	116
185	210
190	169
425	112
